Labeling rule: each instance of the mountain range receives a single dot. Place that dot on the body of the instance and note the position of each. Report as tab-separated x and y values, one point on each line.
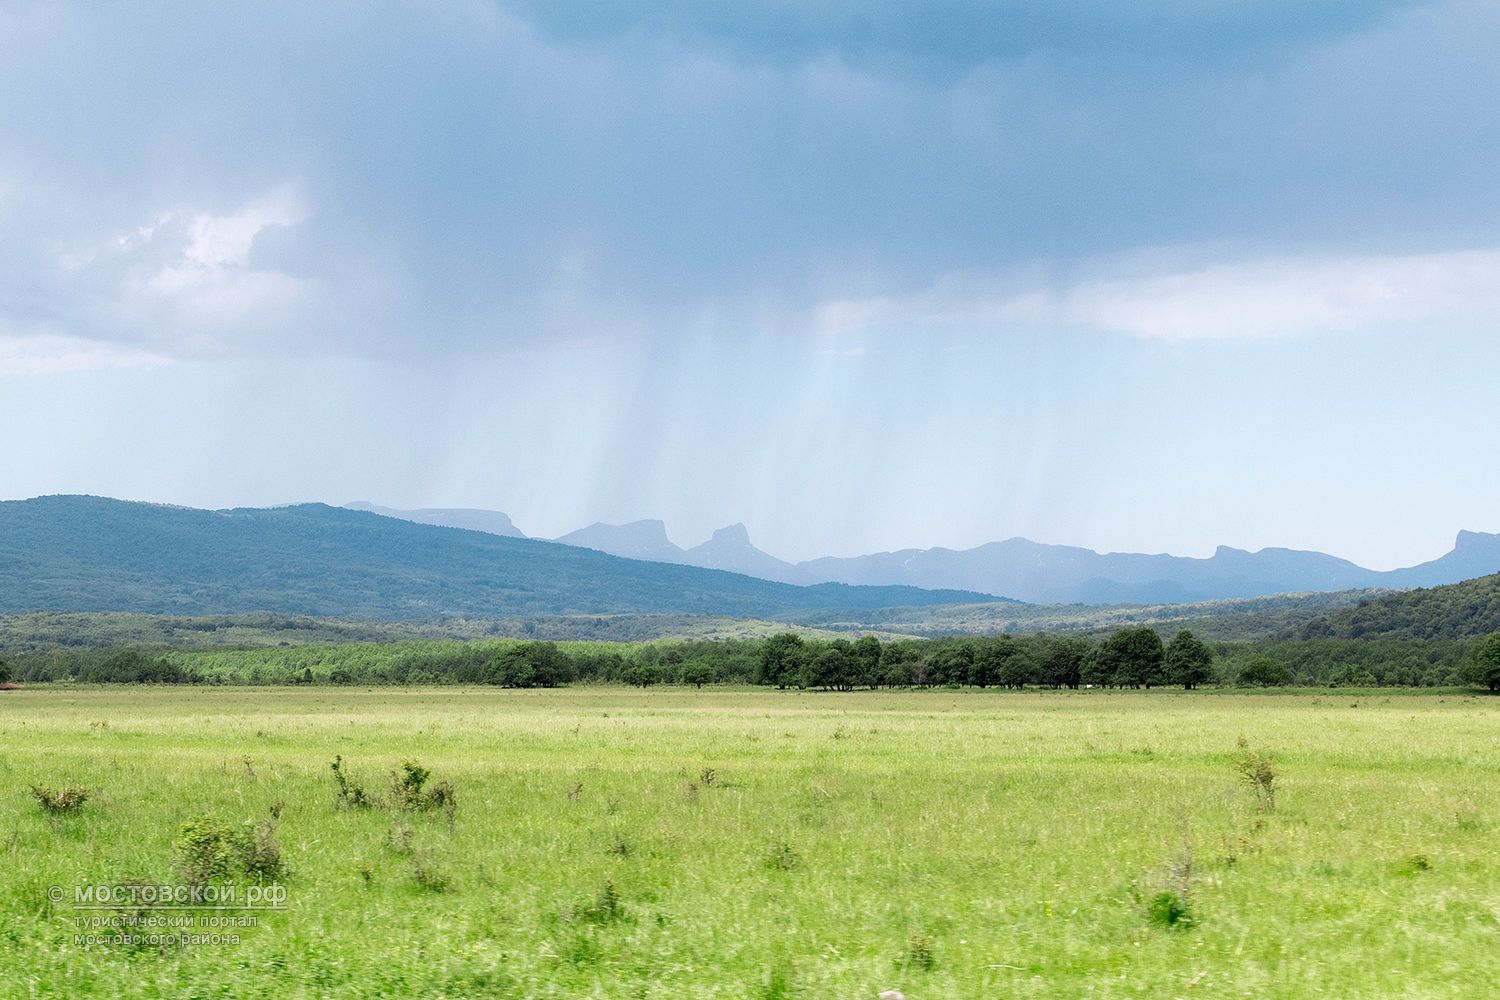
80	553
1040	573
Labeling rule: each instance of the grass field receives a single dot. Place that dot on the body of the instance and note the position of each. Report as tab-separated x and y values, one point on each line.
946	844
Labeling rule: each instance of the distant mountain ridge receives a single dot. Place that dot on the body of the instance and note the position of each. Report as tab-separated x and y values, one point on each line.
79	553
1062	574
729	549
636	540
467	518
1054	574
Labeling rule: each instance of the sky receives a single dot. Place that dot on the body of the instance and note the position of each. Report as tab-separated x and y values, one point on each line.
1155	276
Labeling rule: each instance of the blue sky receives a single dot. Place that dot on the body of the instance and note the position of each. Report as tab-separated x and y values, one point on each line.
863	276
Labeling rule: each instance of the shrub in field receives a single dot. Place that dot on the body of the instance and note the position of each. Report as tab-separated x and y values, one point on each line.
429	876
780	985
919	954
781	857
60	801
398	839
605	908
1258	772
260	854
1169	909
350	792
410	789
1415	864
1171	905
207	848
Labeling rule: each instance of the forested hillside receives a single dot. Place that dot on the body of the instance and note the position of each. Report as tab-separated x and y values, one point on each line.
1454	611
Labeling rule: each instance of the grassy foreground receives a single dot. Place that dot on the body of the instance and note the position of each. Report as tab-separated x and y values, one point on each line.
947	844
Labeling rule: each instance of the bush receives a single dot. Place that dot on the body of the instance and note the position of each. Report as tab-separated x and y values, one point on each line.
781	857
1255	767
1171	905
919	954
605	908
60	801
206	849
259	853
350	792
1168	909
428	876
410	790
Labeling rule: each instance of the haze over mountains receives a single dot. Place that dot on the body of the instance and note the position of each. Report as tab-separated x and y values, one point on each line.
1041	573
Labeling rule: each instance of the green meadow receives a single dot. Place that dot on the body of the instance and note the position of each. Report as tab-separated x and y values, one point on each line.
604	842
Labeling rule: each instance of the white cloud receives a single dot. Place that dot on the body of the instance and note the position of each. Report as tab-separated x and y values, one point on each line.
208	278
1255	298
182	282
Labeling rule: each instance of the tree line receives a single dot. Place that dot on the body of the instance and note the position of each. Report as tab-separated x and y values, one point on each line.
1132	657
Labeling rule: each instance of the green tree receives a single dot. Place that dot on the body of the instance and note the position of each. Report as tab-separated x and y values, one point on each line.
1264	671
5	674
1487	656
781	660
1062	662
511	668
551	664
901	665
867	653
1002	661
640	675
1093	671
530	664
835	666
697	673
1189	660
950	663
1133	657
